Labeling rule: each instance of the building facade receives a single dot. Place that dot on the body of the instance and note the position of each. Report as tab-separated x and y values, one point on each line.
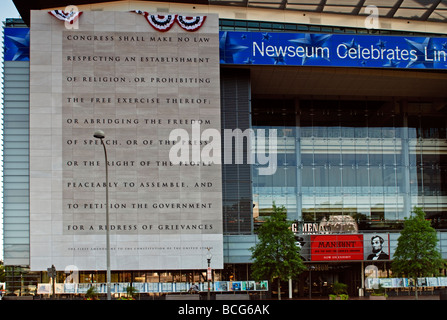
340	120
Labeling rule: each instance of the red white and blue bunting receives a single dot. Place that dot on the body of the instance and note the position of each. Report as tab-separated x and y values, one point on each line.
191	23
159	22
165	22
69	17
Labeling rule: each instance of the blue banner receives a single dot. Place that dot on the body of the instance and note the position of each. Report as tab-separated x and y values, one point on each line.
16	43
300	49
337	50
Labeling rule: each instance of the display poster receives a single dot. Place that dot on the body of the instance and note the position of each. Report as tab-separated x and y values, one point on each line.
150	82
336	247
157	287
337	238
377	246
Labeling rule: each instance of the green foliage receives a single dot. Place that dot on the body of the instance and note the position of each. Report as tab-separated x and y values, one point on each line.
339	288
276	255
91	294
340	291
131	292
417	253
2	272
379	291
341	296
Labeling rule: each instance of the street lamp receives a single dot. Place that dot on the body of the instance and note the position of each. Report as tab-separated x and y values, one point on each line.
311	267
99	134
208	272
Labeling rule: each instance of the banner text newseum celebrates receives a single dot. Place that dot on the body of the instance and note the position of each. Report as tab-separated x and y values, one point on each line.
340	50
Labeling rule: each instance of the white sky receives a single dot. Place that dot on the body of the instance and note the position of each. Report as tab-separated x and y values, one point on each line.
7	10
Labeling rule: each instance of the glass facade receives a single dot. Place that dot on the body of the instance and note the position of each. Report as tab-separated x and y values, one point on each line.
236	178
372	160
16	239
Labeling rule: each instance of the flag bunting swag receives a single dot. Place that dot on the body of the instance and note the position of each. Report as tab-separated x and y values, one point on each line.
70	17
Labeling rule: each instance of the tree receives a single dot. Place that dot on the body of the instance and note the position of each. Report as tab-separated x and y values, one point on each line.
417	253
2	272
91	294
276	255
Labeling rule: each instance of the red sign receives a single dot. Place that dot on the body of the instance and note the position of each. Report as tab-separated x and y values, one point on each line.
336	247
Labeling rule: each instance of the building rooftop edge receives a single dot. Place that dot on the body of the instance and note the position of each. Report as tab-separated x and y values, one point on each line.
230	10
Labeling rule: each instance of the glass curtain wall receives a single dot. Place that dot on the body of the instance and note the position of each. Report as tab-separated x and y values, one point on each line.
372	160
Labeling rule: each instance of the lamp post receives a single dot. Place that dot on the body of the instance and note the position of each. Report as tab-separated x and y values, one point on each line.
311	267
99	134
208	272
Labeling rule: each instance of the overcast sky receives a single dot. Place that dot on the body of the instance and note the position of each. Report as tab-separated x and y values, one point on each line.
8	10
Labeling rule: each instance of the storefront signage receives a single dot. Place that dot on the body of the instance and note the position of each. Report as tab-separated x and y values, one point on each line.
344	247
335	224
337	50
336	247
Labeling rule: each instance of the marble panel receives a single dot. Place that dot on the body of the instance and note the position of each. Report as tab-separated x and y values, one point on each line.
118	74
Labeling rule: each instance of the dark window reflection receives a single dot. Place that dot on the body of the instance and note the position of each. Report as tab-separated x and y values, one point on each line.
374	160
